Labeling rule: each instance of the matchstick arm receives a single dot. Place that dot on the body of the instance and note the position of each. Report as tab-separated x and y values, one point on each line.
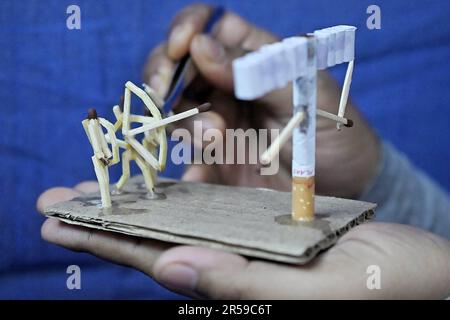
284	136
340	120
164	122
134	118
111	138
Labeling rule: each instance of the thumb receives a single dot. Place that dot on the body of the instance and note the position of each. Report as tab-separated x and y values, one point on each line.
213	61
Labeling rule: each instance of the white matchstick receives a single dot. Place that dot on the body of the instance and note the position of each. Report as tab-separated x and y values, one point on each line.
153	95
340	120
345	92
179	116
276	145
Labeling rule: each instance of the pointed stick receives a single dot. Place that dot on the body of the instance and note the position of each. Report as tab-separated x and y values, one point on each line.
345	92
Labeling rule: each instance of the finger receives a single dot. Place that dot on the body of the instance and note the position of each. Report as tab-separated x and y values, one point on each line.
231	30
202	272
201	173
55	195
177	269
213	61
341	272
158	70
87	187
190	21
131	251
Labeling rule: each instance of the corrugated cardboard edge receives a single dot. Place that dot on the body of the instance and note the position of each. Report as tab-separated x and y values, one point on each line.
139	231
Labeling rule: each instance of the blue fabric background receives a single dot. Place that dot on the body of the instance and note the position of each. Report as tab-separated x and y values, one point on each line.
50	75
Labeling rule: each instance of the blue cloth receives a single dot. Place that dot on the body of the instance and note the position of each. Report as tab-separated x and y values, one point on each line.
50	76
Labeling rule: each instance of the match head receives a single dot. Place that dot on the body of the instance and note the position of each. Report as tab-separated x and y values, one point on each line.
121	101
349	123
92	114
204	107
147	112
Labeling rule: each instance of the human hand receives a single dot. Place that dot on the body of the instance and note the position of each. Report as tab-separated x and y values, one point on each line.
346	160
414	264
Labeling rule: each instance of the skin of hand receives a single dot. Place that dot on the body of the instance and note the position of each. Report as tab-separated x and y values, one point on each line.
414	264
346	160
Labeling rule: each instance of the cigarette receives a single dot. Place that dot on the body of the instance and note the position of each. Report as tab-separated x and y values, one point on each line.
303	198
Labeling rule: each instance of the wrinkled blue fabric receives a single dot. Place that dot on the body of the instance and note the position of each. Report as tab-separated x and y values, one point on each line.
50	76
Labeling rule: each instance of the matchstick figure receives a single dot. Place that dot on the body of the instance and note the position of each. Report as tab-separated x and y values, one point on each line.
149	142
103	157
150	155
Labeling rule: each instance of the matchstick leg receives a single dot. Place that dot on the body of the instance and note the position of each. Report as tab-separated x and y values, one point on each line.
126	158
101	171
147	173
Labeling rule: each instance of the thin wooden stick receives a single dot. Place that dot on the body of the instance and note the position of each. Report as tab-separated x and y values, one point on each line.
346	122
144	153
276	145
166	121
345	92
153	95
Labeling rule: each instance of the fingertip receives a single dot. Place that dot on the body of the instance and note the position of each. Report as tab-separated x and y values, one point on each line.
200	173
213	61
49	228
87	187
179	40
55	195
205	49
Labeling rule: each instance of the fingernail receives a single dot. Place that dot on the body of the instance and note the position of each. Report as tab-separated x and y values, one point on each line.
179	276
212	48
158	84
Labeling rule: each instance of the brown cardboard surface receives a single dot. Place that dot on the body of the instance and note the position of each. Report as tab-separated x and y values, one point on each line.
247	221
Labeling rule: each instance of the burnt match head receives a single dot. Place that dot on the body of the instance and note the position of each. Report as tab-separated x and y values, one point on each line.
147	112
349	123
121	101
204	107
92	114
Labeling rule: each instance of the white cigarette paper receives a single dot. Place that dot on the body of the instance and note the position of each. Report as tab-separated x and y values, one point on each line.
304	137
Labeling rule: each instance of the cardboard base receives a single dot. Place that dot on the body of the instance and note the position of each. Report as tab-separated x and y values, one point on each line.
248	221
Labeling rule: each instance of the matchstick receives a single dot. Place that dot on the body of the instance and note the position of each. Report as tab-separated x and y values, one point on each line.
144	153
346	122
285	134
345	92
177	117
111	138
161	137
153	95
101	152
